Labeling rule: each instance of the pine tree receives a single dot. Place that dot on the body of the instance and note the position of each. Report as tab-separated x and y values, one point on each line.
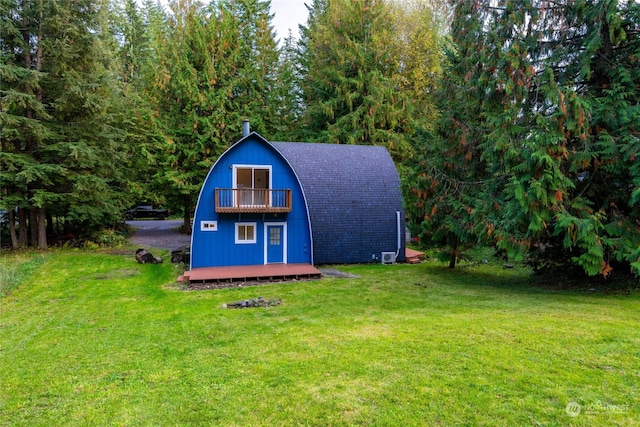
217	65
286	96
351	61
257	77
59	151
135	27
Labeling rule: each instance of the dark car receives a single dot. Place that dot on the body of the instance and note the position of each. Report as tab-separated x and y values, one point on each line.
146	212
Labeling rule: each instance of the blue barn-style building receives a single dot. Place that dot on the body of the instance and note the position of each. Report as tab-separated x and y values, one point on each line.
298	203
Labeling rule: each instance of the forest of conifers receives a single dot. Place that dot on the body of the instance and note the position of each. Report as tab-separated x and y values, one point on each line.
513	123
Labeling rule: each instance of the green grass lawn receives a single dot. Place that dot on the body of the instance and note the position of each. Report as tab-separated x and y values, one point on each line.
97	339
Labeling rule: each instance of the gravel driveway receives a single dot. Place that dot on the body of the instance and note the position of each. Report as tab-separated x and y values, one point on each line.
159	234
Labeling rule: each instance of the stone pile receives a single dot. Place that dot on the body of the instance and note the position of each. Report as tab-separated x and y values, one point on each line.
252	303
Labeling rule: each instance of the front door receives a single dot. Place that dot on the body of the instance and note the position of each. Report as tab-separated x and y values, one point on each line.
275	239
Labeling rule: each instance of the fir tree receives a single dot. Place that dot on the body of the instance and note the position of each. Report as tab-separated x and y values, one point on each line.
356	75
60	152
135	27
286	96
217	66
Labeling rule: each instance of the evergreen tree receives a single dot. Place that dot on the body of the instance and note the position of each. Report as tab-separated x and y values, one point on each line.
420	28
349	88
356	78
304	63
59	152
258	64
135	27
449	175
287	96
217	66
554	89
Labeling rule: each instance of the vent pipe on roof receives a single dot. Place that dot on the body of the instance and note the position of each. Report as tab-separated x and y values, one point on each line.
245	127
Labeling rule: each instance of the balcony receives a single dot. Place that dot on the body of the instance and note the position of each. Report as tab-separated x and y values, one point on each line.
249	200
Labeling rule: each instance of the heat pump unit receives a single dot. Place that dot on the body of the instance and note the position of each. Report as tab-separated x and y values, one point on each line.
388	257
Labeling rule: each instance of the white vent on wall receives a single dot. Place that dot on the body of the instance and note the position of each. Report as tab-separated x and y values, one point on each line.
208	225
388	257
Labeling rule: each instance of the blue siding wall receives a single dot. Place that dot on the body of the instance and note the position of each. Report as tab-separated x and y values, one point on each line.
218	248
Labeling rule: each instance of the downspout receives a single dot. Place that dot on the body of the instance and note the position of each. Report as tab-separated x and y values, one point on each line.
399	241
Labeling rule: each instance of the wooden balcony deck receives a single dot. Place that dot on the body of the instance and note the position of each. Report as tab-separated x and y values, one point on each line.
250	200
247	273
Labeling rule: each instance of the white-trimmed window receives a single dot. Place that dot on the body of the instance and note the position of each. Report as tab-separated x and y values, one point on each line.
245	232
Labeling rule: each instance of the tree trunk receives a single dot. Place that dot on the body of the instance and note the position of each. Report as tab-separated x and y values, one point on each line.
50	226
22	228
42	228
452	261
12	229
454	252
33	227
186	224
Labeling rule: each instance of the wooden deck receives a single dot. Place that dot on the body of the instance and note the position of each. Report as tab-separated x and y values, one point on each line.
246	273
413	256
269	272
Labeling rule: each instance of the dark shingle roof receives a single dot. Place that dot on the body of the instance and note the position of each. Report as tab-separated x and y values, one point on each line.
353	195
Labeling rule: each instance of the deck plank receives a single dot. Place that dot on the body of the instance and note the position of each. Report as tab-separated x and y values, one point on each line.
252	272
411	253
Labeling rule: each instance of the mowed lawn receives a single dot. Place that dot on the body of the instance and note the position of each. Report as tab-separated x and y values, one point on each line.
97	339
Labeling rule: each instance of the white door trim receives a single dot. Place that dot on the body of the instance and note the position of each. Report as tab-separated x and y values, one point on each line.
284	240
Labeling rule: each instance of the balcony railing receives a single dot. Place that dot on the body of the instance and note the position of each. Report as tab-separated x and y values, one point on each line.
249	200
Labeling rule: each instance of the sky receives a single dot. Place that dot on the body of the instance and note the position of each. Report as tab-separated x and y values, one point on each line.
288	14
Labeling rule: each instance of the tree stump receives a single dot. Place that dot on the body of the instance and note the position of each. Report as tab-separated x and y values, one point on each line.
144	257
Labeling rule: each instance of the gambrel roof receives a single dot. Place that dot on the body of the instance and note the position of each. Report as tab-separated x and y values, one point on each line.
353	197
